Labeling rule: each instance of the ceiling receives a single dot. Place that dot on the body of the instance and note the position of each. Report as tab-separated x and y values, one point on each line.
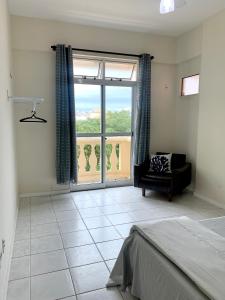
133	15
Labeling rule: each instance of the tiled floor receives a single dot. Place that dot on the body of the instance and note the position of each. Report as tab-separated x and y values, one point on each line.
66	245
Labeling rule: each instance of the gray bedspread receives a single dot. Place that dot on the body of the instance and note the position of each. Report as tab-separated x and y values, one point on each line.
172	259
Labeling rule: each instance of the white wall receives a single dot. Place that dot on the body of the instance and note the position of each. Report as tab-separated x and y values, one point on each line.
187	111
188	56
189	45
8	190
200	120
34	65
211	128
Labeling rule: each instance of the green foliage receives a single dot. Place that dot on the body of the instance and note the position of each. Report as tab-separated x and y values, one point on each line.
117	155
88	126
108	152
87	154
97	154
78	155
117	121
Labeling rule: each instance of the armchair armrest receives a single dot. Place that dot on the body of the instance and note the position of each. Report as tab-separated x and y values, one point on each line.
182	176
139	170
185	169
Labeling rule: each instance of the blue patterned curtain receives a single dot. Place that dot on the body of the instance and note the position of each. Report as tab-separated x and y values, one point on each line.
66	170
142	133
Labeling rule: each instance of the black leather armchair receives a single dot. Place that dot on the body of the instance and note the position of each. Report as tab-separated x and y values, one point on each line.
170	183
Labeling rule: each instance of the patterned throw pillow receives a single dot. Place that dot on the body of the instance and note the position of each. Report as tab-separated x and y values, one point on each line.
161	163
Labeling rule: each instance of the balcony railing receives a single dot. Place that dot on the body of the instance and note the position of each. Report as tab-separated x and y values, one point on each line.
117	159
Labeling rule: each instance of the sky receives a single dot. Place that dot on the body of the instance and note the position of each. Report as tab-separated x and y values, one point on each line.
88	98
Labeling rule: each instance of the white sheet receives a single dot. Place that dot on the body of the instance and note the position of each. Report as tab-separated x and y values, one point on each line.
181	243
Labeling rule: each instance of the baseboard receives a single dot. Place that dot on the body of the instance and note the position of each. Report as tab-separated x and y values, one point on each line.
7	264
49	193
190	189
209	200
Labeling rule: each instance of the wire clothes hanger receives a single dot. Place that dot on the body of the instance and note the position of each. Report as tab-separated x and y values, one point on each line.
33	118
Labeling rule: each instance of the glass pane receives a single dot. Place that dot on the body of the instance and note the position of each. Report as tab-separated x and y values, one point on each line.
88	159
118	70
190	85
86	67
117	152
118	104
88	108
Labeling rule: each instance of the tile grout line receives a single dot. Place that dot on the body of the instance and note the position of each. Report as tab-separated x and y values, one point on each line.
66	258
93	241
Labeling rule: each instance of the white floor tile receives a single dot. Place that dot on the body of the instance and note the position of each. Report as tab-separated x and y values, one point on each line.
110	250
140	215
97	222
46	244
83	255
117	219
20	268
67	215
124	229
104	234
90	277
43	219
39	200
109	294
104	201
78	238
44	230
48	262
63	204
22	233
23	221
70	226
85	203
114	209
19	289
23	212
24	202
21	248
80	196
45	207
52	286
91	212
110	264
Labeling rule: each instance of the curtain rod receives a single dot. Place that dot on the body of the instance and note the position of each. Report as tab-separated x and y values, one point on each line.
104	52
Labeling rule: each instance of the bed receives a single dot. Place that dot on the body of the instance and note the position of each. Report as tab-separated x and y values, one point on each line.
173	259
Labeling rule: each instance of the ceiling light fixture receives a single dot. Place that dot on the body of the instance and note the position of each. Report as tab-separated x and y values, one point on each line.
167	6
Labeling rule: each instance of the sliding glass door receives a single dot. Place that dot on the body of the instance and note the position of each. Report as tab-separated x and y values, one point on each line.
88	104
118	133
104	126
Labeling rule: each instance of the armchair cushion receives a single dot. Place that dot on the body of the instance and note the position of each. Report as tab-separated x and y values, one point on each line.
161	164
177	160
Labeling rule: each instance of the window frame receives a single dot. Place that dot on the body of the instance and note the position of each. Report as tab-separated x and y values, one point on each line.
99	61
104	80
121	62
104	83
182	85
